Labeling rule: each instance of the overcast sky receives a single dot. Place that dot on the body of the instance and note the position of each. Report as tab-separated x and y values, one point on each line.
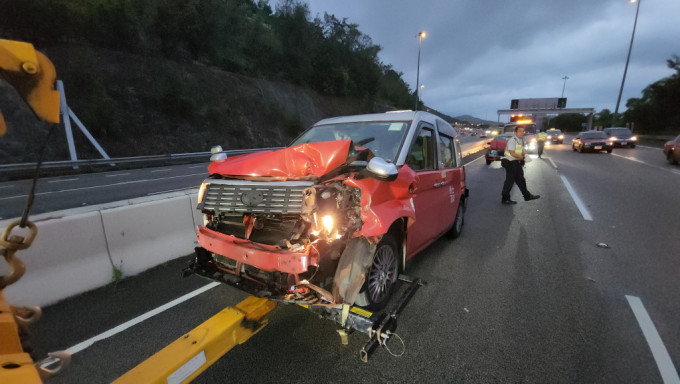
480	54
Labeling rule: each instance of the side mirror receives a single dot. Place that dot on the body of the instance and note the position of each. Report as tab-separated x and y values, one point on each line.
379	168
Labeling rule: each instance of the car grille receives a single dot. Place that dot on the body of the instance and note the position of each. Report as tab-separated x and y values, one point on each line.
242	196
594	143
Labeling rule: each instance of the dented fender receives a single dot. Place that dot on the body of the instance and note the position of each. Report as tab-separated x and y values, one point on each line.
383	203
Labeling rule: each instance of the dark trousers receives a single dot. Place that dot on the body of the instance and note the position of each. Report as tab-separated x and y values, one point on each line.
541	144
514	174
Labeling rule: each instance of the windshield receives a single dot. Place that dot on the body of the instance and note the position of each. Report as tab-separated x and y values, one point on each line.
594	135
618	131
554	132
383	138
529	129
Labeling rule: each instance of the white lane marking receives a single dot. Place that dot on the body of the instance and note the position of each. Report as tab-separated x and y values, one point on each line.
62	180
162	170
170	190
646	146
669	374
480	157
118	174
113	331
103	186
6	186
647	164
198	166
579	204
552	162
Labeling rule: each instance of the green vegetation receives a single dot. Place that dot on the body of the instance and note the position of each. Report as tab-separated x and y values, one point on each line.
246	37
657	110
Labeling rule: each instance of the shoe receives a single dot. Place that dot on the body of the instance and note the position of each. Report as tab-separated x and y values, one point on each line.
508	202
532	197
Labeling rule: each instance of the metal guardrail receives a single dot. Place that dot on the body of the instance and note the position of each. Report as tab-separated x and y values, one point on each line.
124	160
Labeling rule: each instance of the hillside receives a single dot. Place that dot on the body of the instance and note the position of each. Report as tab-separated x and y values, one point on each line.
140	105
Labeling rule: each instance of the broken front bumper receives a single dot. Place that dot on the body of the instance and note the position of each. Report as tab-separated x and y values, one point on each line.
268	258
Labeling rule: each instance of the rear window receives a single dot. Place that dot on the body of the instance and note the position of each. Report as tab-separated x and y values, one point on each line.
594	135
618	131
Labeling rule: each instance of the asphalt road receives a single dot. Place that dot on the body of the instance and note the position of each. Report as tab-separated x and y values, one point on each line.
524	295
64	192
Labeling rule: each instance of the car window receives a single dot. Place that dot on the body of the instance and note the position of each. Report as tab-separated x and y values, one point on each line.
447	152
383	138
594	135
421	156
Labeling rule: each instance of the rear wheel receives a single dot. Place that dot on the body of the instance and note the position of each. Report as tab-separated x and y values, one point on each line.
383	273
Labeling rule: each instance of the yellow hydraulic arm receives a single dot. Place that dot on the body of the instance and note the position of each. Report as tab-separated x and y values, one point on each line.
194	352
32	74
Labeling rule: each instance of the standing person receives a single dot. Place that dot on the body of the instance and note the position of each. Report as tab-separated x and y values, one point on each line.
542	138
512	161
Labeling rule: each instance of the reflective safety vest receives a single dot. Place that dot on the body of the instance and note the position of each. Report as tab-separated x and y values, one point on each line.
542	136
518	147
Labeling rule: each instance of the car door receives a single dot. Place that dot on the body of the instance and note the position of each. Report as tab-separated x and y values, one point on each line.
429	194
453	183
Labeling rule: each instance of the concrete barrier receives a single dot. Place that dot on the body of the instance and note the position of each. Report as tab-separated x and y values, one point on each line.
80	249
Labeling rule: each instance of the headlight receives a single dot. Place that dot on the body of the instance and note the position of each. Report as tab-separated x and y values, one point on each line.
560	137
633	138
327	222
533	139
201	192
549	137
613	138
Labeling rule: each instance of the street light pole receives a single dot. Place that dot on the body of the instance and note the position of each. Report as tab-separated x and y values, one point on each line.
618	101
565	78
420	95
421	35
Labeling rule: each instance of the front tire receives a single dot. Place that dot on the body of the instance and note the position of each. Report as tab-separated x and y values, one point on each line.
488	162
671	158
383	273
458	222
609	151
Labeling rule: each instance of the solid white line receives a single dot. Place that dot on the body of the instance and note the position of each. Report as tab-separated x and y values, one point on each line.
480	157
105	335
646	146
118	174
579	204
103	186
552	162
6	186
161	170
198	166
669	374
647	164
62	180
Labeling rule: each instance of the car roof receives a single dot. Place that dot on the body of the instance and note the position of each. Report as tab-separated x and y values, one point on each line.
393	116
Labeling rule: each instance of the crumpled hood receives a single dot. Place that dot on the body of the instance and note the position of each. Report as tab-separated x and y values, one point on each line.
312	159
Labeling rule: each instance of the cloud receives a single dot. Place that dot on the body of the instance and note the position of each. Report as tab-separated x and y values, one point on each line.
479	55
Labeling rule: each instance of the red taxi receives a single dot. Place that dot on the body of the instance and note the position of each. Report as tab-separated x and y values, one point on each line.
333	217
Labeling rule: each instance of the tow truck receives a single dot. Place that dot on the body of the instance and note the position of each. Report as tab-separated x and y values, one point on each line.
33	75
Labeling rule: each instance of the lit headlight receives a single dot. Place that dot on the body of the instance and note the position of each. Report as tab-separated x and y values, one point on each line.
533	139
327	222
612	138
549	137
633	138
560	137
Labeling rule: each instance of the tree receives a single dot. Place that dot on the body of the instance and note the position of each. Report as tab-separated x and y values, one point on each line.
657	109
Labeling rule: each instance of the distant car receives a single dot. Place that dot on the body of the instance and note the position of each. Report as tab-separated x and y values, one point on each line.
530	135
672	150
496	149
621	136
483	135
555	135
594	141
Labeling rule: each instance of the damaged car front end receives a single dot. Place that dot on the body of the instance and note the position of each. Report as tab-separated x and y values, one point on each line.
299	224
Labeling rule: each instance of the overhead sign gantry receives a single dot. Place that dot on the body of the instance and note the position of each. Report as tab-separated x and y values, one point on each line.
540	108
